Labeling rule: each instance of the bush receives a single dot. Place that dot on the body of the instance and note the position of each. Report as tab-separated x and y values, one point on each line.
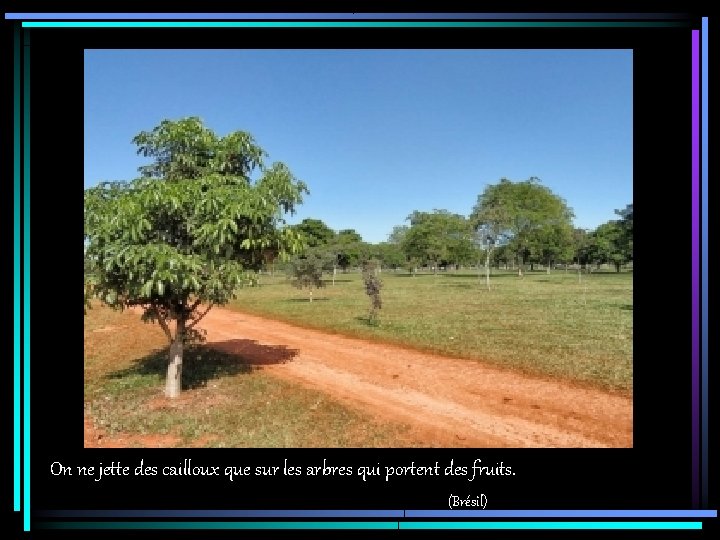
373	284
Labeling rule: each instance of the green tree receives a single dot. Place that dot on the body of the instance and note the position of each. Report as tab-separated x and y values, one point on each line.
516	210
398	234
315	232
174	242
349	248
551	243
389	255
306	270
186	149
626	224
610	245
438	238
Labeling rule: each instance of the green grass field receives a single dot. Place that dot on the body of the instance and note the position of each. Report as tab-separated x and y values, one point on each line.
548	324
225	402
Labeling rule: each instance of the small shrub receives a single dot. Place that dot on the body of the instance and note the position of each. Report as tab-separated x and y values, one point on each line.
373	284
306	271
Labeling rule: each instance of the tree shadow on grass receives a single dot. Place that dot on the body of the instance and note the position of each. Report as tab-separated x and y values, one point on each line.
203	363
464	285
368	321
476	277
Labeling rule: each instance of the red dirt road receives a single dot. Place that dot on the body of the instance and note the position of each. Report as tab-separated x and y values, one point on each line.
448	402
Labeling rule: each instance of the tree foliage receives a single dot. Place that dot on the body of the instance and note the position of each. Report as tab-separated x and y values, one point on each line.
610	245
315	232
186	149
522	212
306	270
349	249
389	255
182	238
438	238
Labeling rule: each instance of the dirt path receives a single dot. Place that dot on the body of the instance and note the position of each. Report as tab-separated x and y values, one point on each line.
448	402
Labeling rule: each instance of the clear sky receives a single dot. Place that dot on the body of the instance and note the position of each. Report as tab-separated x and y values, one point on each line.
377	134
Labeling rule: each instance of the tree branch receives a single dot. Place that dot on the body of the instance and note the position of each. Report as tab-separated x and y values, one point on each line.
195	305
195	321
162	322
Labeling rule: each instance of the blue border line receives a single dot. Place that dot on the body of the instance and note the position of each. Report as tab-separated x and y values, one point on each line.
16	270
222	513
330	16
378	513
562	513
26	284
221	525
412	525
704	259
353	24
695	267
552	525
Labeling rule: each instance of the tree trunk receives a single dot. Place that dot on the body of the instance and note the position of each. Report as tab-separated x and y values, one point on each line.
487	269
173	382
548	266
617	267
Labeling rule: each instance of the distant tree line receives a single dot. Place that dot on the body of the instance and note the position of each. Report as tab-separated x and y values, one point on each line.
514	225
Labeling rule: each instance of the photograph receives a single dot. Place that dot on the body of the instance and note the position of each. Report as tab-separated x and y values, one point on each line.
344	248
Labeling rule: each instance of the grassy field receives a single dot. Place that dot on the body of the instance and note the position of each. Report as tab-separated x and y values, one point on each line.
548	324
225	403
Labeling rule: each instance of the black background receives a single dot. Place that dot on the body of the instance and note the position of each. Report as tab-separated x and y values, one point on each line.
654	474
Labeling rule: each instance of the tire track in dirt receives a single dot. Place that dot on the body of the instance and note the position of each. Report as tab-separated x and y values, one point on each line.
447	401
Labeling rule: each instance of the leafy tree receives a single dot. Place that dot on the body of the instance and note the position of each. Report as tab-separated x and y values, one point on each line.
551	243
186	149
397	235
315	231
349	248
306	270
486	239
175	241
90	281
516	210
412	264
349	236
626	224
610	245
390	255
581	246
438	237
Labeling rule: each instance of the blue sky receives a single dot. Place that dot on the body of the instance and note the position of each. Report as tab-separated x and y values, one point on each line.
377	134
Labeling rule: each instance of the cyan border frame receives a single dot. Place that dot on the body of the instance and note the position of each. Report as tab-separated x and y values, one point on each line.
336	16
374	525
17	279
699	189
26	281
